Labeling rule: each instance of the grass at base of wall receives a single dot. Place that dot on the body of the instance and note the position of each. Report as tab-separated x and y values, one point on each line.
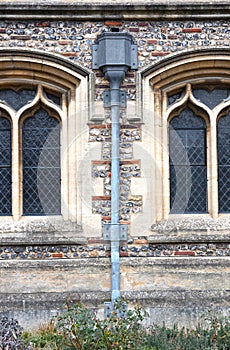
78	328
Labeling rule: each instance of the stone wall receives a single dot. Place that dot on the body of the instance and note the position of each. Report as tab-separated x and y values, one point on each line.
155	39
180	268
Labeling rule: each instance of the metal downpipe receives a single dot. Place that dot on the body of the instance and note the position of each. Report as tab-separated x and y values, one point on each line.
115	78
114	53
115	190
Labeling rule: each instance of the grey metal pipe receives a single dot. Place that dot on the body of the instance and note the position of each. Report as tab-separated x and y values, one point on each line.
114	53
115	77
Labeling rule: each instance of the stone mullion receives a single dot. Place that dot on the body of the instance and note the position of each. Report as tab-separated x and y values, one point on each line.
71	153
157	156
64	148
212	169
165	161
16	171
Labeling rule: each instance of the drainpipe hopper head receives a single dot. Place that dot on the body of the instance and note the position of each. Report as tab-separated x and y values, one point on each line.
115	53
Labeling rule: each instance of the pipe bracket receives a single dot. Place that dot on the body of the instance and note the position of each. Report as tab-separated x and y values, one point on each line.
122	231
107	98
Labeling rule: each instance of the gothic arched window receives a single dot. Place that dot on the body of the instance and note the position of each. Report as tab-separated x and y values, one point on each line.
5	167
44	108
188	173
223	143
190	87
41	164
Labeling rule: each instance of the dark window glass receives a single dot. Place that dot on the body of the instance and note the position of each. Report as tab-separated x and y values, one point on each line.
211	98
5	167
188	174
223	142
175	97
17	99
54	98
41	165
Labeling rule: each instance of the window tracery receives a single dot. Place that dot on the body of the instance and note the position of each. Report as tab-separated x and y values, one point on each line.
188	181
35	117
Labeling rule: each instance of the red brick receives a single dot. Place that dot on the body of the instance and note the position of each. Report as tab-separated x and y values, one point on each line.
124	254
185	253
130	86
43	24
100	126
172	37
57	255
130	126
20	37
152	41
143	24
106	218
113	23
134	29
192	30
101	162
69	54
101	198
63	42
95	240
140	241
124	162
101	86
156	53
124	222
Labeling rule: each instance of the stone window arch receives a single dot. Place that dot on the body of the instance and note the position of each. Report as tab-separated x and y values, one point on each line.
5	165
44	105
198	82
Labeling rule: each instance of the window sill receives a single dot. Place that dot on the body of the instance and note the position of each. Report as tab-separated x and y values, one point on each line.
191	228
40	230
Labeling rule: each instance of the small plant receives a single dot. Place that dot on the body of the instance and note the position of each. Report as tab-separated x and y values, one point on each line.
78	328
10	335
122	332
212	336
43	338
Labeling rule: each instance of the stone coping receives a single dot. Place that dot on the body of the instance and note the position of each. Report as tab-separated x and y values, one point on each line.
157	298
104	264
190	237
193	228
113	10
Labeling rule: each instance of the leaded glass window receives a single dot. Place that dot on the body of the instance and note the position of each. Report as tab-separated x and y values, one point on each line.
188	173
5	167
223	135
211	97
41	164
17	99
172	98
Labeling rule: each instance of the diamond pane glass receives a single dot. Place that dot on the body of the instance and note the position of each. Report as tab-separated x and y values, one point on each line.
17	99
175	97
188	174
5	167
41	165
56	99
223	143
211	98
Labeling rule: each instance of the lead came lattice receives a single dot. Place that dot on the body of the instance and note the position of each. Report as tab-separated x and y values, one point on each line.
188	174
41	165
